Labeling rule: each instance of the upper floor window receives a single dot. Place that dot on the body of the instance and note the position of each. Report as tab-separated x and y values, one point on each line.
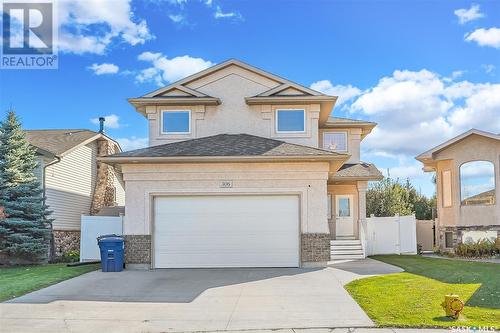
336	141
477	183
290	121
176	122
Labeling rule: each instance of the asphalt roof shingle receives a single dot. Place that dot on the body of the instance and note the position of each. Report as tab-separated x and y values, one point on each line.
227	145
358	170
58	141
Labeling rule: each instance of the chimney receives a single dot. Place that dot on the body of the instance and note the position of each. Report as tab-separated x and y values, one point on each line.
101	124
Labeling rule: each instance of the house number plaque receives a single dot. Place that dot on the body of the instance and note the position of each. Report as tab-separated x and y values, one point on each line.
226	184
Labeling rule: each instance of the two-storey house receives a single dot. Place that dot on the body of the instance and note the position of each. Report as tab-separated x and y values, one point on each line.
244	169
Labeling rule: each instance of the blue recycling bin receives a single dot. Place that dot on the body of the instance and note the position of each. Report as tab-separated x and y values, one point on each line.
111	247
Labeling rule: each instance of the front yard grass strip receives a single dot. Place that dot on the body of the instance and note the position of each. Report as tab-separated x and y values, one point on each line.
17	281
413	298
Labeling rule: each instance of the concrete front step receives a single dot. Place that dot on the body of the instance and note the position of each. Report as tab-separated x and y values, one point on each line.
341	252
345	242
346	256
347	247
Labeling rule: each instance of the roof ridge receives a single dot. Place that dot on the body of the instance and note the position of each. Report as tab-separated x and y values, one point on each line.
61	130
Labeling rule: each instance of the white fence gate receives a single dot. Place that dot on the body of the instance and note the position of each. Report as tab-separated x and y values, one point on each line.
93	227
389	235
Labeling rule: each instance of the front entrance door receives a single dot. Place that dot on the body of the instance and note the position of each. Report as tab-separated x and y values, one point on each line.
344	215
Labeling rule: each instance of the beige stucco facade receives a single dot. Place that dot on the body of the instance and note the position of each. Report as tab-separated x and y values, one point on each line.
234	115
239	99
145	181
453	216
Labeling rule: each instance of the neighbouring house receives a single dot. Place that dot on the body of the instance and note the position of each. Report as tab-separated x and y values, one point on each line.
74	182
467	186
243	169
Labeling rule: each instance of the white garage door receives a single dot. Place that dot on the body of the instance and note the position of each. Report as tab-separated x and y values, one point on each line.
226	231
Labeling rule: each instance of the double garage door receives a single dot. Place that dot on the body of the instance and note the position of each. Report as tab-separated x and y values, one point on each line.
226	231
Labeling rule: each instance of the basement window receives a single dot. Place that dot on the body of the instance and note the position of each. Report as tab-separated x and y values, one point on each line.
448	239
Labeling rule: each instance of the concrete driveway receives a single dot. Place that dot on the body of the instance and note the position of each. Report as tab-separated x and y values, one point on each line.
187	300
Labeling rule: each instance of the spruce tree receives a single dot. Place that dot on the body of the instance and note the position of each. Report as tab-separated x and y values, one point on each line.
24	224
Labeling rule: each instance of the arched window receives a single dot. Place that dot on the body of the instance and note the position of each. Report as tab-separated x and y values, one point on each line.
477	183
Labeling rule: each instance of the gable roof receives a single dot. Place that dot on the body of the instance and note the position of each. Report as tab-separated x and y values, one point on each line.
227	63
224	147
284	91
429	154
60	142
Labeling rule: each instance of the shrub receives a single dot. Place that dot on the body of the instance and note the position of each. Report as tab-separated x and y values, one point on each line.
481	249
71	256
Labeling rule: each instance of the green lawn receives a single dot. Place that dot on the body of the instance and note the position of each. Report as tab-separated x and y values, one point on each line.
17	281
413	298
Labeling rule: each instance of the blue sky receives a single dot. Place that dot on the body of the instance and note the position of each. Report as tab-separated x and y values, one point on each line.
424	70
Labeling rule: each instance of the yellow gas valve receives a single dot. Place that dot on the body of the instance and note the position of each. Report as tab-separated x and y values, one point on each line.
452	305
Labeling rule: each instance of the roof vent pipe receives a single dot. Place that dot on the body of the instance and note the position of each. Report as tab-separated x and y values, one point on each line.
101	124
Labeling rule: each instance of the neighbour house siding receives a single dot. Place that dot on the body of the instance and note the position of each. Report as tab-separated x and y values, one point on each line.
120	190
69	186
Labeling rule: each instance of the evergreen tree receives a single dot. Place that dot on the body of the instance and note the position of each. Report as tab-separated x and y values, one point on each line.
24	223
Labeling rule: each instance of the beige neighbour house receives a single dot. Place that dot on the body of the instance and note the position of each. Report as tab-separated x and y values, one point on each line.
74	182
244	169
468	182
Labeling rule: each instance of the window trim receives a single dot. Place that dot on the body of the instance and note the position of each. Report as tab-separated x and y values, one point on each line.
181	133
290	109
450	189
346	135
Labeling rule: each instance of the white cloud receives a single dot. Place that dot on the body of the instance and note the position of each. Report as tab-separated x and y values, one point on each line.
467	15
404	171
91	26
219	14
132	143
104	68
485	37
488	68
177	18
165	70
417	110
344	93
111	121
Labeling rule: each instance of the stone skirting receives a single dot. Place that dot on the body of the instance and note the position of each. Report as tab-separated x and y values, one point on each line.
457	233
137	249
315	248
65	241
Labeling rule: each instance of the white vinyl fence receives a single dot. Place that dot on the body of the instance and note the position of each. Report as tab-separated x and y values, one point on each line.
391	235
93	227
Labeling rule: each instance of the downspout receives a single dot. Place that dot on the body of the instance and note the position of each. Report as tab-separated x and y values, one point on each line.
52	249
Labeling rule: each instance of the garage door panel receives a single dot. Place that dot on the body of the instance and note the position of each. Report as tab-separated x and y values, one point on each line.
226	231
